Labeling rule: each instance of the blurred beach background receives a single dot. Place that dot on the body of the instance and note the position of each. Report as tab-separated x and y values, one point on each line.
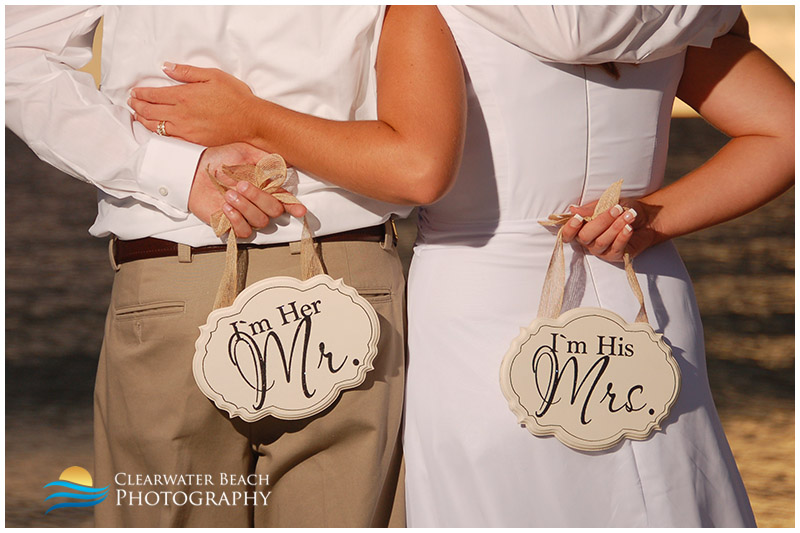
58	282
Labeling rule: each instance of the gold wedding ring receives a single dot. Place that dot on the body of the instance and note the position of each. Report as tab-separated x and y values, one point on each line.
162	128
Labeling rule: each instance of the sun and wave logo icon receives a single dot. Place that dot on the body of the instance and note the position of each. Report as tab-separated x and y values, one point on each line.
79	482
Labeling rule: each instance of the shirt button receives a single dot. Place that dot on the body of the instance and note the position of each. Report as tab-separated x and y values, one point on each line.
163	191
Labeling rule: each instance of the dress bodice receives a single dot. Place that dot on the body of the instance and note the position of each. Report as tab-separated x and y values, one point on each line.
560	136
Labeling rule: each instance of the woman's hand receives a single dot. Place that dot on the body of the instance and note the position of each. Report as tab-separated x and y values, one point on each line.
626	227
212	108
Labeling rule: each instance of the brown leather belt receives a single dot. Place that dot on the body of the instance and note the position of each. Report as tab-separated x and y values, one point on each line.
150	247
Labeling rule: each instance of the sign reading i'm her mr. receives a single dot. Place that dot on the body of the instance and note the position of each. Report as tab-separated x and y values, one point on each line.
286	348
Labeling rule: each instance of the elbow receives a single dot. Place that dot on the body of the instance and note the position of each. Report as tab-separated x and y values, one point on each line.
430	192
430	182
431	173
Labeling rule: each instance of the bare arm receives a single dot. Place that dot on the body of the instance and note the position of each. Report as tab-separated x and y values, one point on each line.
409	155
744	94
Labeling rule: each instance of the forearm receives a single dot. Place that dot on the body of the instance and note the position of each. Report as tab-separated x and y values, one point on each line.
366	157
409	155
747	173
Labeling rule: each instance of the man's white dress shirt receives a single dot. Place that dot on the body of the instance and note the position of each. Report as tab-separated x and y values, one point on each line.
318	60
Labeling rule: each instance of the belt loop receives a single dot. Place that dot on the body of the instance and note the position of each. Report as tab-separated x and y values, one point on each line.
184	253
294	247
112	249
390	234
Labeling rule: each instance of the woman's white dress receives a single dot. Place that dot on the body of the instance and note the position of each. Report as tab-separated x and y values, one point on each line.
542	136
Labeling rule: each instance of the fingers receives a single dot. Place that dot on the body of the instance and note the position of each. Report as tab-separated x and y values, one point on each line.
188	73
255	217
296	210
610	244
617	248
157	95
583	210
263	201
152	125
239	225
607	236
246	214
268	203
599	225
149	111
572	228
172	95
255	205
250	206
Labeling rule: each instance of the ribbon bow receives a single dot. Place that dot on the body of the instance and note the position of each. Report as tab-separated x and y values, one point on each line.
553	290
269	175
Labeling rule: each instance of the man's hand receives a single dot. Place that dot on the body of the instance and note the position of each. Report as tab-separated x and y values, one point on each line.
246	207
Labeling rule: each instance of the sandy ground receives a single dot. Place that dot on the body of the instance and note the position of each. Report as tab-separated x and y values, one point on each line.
58	282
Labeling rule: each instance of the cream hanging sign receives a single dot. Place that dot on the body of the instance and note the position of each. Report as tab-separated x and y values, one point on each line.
588	377
283	347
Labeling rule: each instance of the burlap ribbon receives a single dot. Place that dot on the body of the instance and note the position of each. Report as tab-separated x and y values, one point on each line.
553	290
269	175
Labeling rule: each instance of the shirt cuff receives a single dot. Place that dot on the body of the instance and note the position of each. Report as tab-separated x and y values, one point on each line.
168	170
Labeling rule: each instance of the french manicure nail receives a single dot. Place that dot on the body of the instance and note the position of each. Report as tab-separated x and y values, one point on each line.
168	67
576	220
630	214
628	228
616	211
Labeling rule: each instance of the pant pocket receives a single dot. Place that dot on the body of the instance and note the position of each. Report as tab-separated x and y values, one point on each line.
154	309
376	295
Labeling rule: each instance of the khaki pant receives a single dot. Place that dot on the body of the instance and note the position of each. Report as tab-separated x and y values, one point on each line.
341	467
